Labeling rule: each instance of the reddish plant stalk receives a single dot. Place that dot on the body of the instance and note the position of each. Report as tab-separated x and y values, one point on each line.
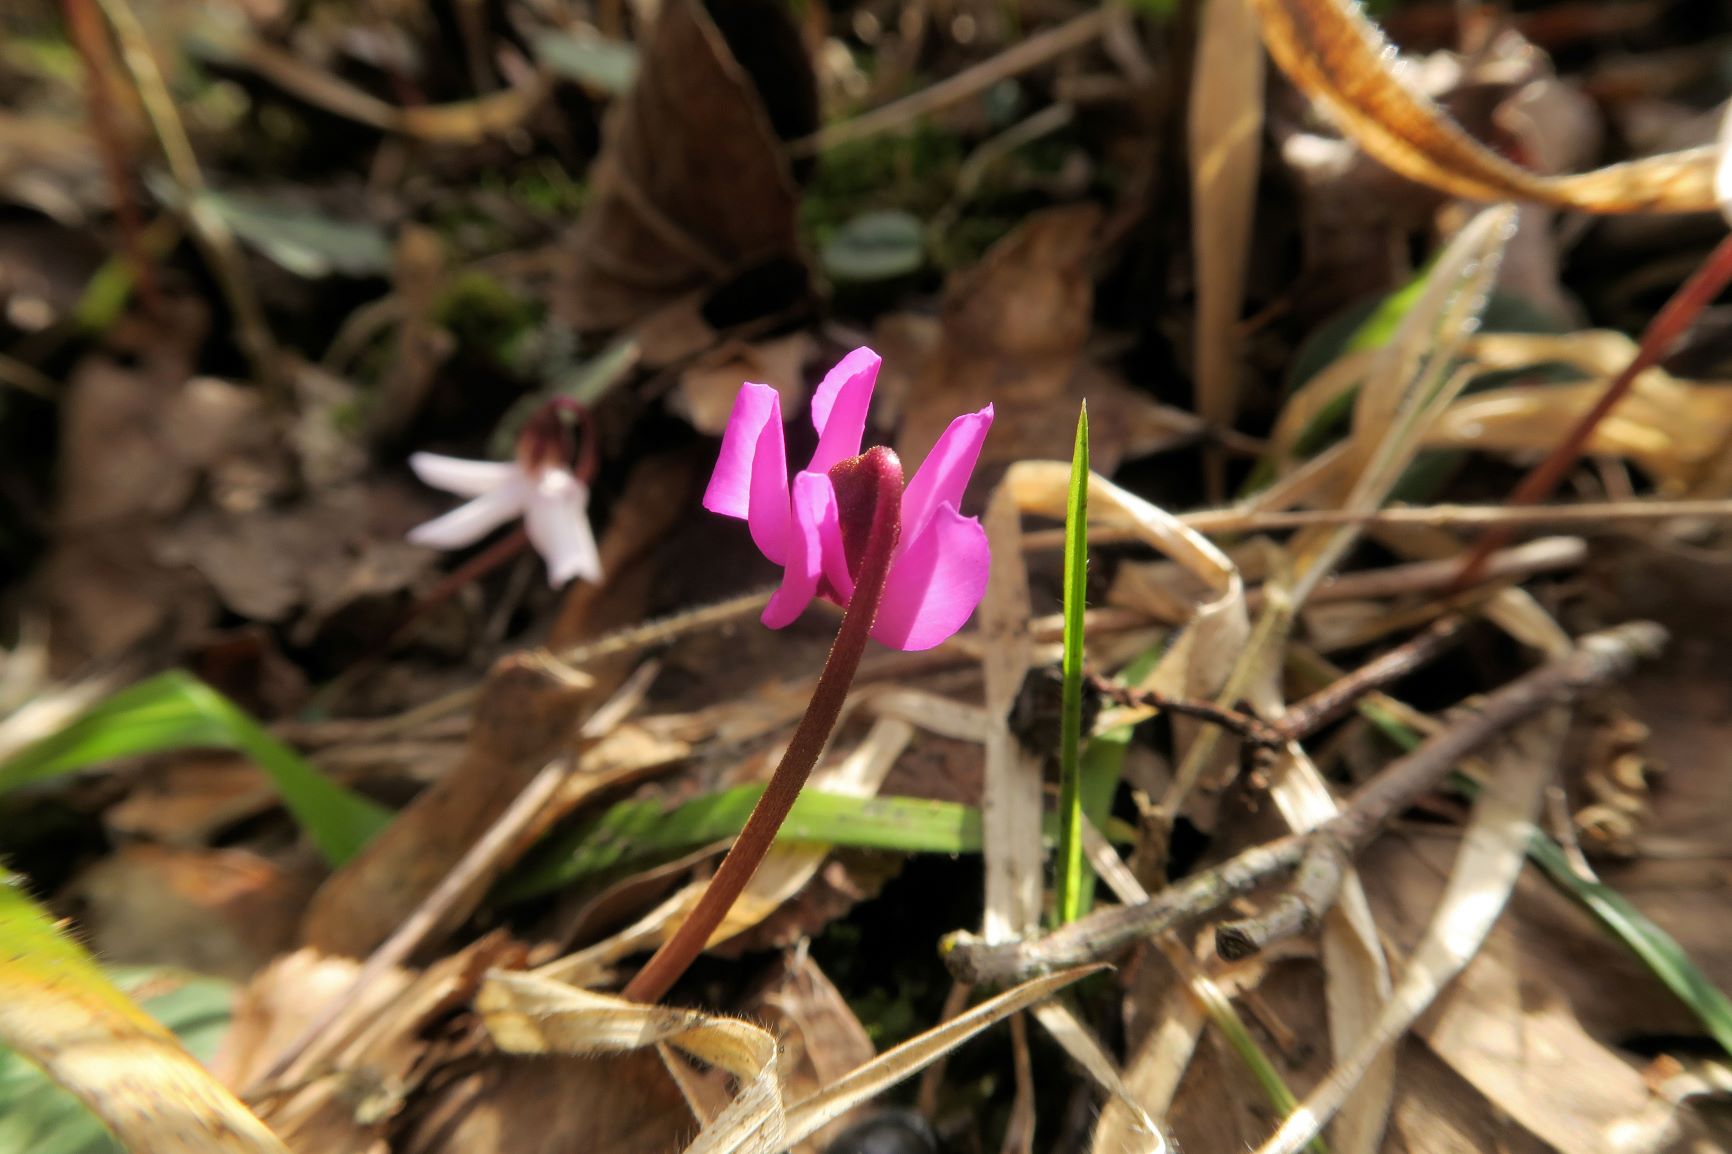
1662	333
85	27
876	476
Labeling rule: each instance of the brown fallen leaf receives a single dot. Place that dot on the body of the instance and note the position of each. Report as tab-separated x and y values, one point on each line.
528	710
1340	59
186	800
692	187
1012	335
213	911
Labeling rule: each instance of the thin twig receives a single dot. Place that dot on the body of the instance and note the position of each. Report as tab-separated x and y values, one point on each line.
1584	517
1250	728
1330	702
1662	333
1020	57
1596	660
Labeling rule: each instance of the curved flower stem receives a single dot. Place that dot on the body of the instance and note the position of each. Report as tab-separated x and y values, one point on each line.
882	472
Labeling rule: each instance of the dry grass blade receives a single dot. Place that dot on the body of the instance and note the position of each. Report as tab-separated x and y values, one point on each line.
1226	148
898	1063
1339	58
1485	872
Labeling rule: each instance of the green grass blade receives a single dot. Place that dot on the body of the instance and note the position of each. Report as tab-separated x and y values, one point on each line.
1653	946
1069	868
632	834
175	710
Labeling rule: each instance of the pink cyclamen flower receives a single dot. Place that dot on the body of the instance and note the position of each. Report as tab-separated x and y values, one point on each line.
938	573
553	503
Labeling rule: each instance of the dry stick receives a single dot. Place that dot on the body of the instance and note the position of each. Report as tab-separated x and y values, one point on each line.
86	29
1249	728
481	860
1027	54
1330	702
1582	517
1597	659
874	477
1658	338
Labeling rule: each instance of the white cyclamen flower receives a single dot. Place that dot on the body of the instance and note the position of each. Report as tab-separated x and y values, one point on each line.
553	503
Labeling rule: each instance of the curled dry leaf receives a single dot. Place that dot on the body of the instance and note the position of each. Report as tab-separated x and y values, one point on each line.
1340	59
691	187
526	1014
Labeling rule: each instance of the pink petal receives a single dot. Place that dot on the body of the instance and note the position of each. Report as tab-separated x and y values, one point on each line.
935	583
839	408
556	516
751	477
467	524
817	534
455	475
943	477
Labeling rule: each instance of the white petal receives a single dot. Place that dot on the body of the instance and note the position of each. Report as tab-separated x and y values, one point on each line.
467	524
464	478
557	517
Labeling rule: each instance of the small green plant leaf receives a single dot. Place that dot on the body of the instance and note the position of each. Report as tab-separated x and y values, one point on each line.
875	246
602	65
175	710
1069	869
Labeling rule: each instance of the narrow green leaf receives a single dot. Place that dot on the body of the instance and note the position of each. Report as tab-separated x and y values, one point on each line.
632	834
1069	868
1657	949
175	710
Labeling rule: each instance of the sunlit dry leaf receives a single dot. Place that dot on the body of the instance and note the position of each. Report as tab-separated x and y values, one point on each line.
1226	149
708	386
1340	59
60	1011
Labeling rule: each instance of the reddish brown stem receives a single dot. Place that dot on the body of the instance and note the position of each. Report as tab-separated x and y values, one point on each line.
1662	333
884	472
85	27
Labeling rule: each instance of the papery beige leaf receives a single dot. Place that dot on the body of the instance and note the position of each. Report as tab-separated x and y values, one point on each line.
527	1014
1226	150
1674	430
1493	849
1340	59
